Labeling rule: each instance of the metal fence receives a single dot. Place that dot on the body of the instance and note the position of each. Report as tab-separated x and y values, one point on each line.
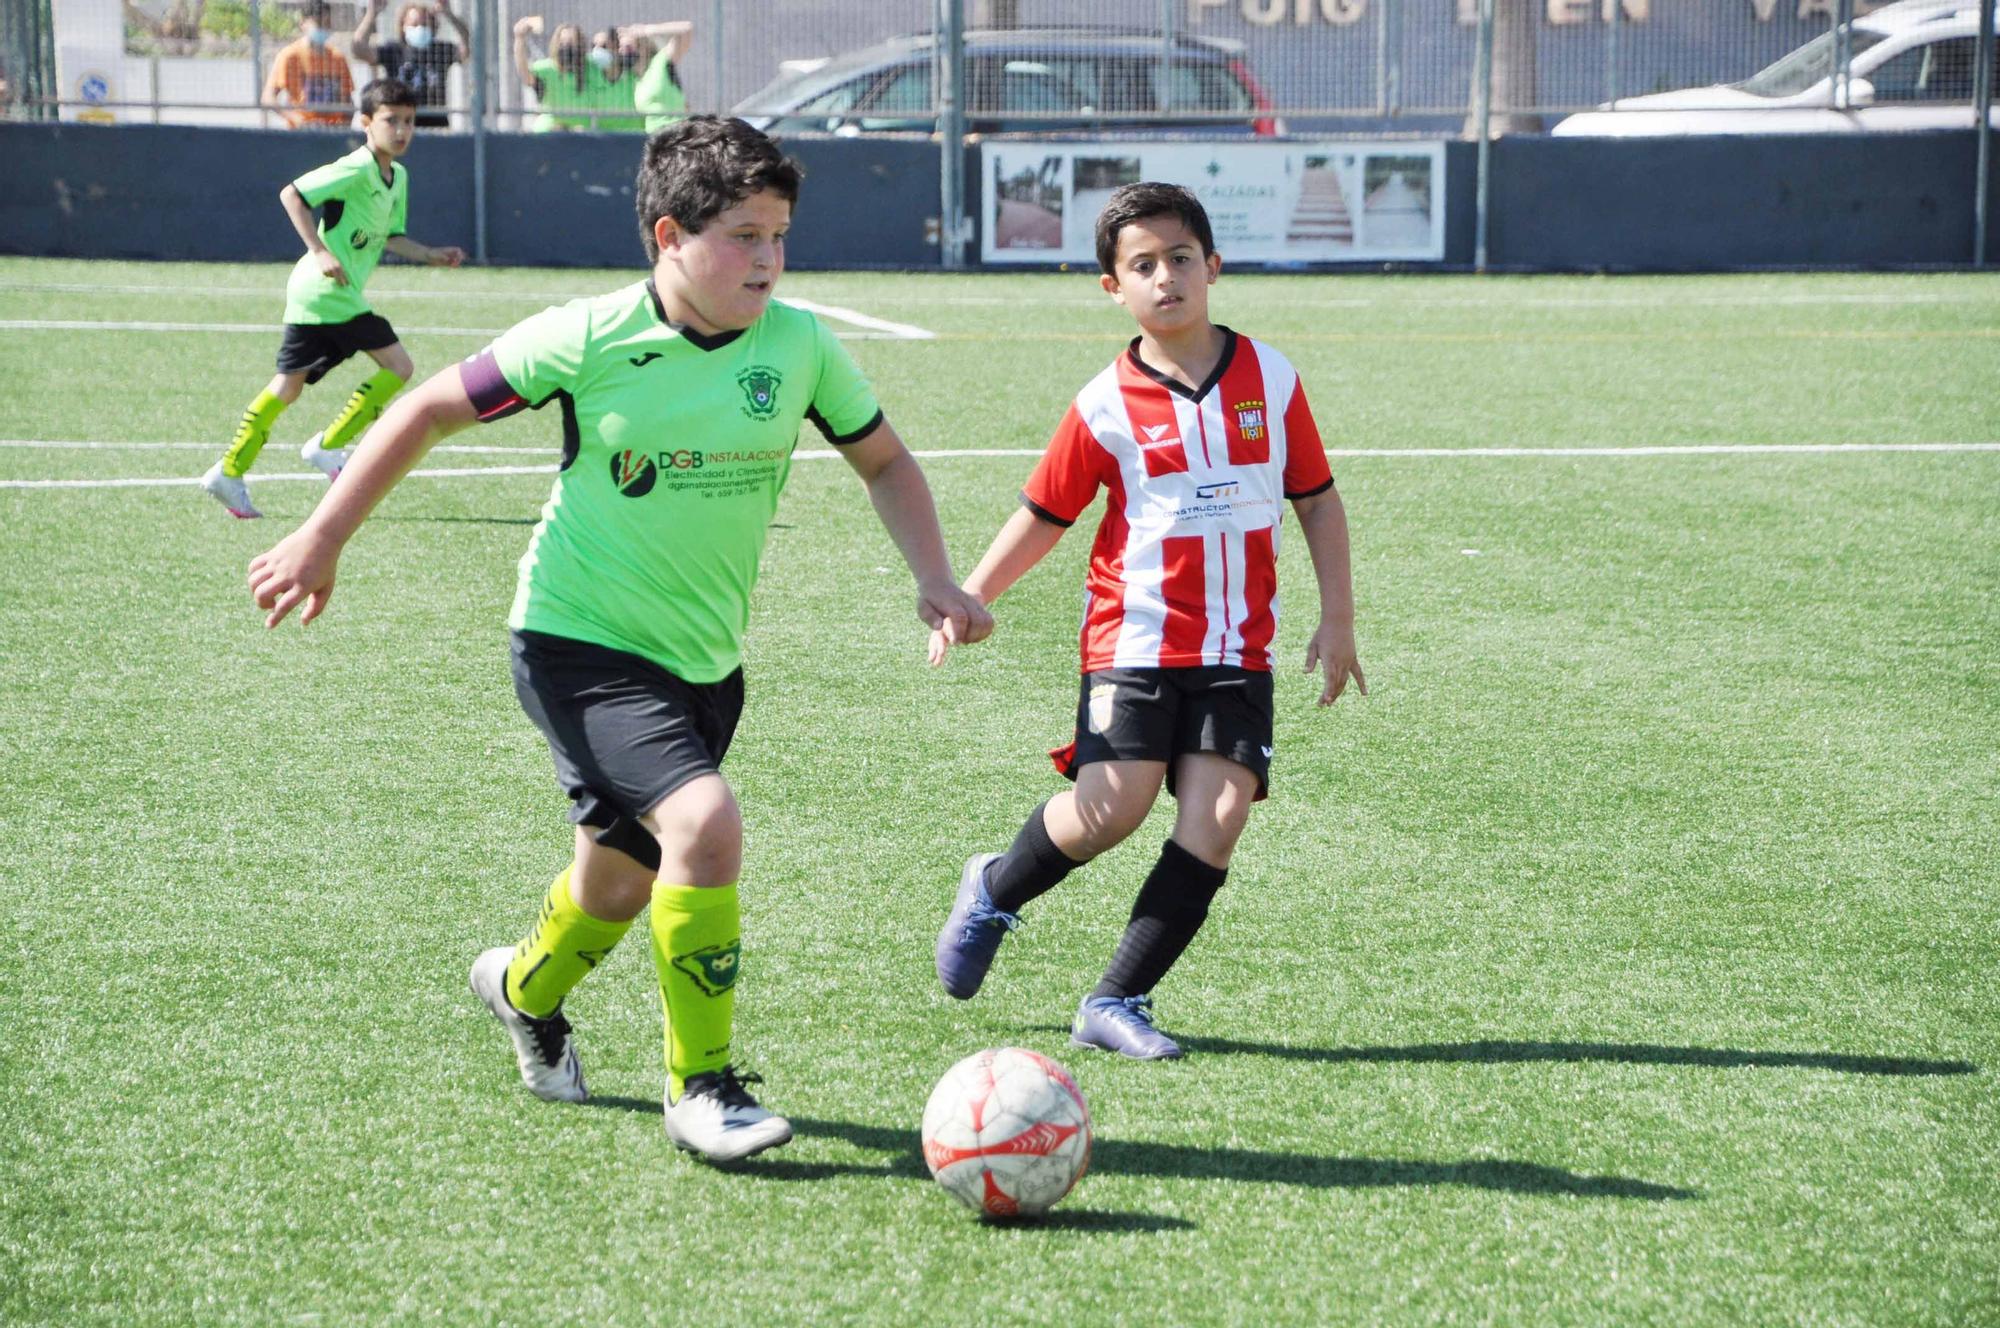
1370	66
959	69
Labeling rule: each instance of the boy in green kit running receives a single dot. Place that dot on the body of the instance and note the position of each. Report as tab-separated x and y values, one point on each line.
363	199
682	397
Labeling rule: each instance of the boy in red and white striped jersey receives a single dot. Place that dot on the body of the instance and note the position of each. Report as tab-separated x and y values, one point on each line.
1199	436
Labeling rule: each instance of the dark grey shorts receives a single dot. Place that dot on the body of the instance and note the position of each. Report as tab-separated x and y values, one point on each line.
624	731
1158	714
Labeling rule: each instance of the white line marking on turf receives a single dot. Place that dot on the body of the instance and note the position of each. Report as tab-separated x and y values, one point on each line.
945	454
1402	298
902	331
878	329
182	480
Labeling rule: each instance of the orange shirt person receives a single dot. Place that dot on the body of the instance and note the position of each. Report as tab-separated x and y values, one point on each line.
311	74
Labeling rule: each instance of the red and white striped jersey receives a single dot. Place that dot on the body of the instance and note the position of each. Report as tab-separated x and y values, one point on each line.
1185	568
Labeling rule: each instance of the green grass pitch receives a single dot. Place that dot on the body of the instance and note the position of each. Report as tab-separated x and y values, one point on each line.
1627	957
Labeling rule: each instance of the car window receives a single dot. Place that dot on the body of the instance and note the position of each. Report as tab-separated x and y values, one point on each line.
1201	87
1014	84
1804	67
1935	71
834	101
906	92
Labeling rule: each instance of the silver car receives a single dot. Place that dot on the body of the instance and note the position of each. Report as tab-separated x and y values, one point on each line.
1912	67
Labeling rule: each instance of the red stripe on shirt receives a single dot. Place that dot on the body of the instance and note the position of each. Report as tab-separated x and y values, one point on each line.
1156	431
1185	589
1105	615
1260	594
1245	413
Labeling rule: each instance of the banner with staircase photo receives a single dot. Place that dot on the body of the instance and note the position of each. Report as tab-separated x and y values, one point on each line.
1277	203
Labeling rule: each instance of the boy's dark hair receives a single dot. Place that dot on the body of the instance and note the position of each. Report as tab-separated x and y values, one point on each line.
697	167
319	11
386	92
1149	198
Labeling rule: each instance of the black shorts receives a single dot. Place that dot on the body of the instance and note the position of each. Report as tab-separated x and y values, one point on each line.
318	348
624	732
1158	714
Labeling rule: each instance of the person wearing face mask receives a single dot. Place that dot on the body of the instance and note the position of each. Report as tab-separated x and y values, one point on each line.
564	81
414	53
312	76
614	58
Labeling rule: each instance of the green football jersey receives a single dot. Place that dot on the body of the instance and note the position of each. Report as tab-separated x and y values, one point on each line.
359	211
675	448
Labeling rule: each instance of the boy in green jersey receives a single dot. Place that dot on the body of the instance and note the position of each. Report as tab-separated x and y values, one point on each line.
681	397
363	200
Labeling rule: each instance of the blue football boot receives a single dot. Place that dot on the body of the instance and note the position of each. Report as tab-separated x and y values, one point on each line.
1123	1025
973	932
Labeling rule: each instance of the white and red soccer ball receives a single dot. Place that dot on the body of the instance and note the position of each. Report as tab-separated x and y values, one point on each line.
1007	1132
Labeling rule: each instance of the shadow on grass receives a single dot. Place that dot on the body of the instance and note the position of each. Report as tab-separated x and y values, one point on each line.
1489	1052
1185	1162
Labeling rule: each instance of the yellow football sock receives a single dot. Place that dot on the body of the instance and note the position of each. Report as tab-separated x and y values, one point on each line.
564	945
255	427
361	410
697	943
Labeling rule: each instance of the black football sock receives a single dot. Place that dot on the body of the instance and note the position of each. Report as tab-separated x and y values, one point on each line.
1172	905
1029	869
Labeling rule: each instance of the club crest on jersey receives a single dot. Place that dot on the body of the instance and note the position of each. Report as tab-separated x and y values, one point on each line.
712	967
760	391
634	473
1102	698
1249	420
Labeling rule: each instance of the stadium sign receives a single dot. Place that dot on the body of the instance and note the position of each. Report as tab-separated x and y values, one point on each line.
1323	202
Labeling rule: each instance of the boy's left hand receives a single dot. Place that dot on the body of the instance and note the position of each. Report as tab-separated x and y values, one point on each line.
1332	648
449	255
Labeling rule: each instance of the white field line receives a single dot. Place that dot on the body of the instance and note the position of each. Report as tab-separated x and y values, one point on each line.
1403	299
946	454
902	332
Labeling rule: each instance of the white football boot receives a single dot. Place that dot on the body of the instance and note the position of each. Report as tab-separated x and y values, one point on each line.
717	1118
231	492
326	463
542	1046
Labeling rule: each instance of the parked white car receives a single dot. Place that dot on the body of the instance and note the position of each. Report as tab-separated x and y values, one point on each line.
1912	68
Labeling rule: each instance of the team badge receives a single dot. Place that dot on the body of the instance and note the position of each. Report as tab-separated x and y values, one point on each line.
713	967
634	473
760	391
1250	420
1102	696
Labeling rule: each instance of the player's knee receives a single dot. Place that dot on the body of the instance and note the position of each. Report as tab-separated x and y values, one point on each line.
701	827
1110	816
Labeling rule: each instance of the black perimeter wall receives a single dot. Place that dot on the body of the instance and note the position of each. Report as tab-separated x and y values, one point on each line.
1676	204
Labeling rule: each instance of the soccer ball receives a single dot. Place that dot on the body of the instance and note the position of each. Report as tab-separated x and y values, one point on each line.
1006	1132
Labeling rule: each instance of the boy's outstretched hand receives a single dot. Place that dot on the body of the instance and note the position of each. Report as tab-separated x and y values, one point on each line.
955	616
298	569
1332	648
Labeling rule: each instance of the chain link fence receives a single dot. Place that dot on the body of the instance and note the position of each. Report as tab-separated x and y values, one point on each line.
1383	67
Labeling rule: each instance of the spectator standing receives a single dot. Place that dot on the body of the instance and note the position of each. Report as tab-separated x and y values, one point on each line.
414	54
312	76
659	92
560	80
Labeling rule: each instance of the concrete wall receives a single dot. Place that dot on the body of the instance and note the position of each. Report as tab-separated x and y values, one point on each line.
176	192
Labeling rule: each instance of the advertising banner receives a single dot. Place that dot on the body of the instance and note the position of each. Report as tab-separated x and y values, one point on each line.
1322	202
